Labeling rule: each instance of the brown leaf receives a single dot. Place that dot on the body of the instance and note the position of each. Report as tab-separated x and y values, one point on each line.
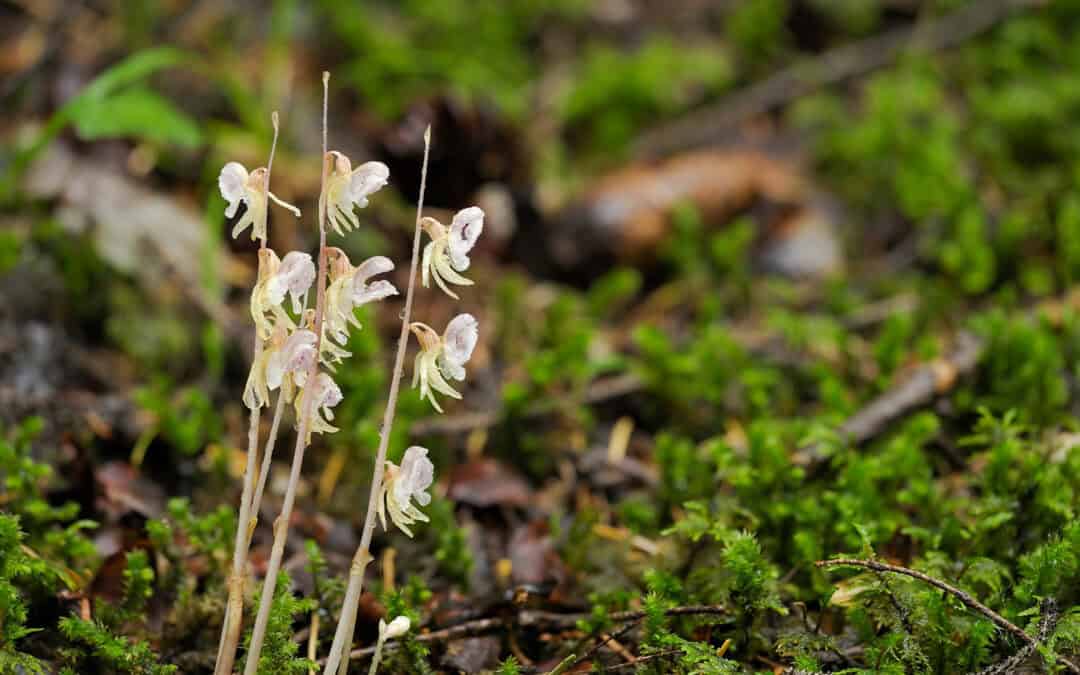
488	482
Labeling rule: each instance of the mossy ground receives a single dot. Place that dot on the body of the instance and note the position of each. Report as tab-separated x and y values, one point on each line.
957	174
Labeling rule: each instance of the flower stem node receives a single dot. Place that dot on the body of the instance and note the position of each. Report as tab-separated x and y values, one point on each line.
447	253
443	356
401	485
237	185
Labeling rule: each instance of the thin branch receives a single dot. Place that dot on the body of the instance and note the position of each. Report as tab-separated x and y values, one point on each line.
965	598
347	622
535	619
1047	623
281	524
234	606
710	124
919	388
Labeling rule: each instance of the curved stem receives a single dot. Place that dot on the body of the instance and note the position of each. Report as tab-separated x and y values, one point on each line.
234	606
338	661
281	524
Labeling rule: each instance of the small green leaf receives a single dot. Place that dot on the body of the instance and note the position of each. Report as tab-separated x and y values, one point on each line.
136	112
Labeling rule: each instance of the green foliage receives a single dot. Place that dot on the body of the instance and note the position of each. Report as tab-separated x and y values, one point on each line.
184	416
139	112
93	103
406	601
509	667
111	652
100	640
279	650
53	531
616	94
757	28
451	548
1024	367
479	51
17	569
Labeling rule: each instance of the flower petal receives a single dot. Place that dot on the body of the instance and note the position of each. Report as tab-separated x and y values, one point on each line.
231	182
465	229
367	179
460	338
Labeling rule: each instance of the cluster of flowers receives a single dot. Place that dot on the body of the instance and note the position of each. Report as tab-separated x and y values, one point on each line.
290	347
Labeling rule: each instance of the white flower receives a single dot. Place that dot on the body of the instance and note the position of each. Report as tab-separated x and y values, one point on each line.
284	361
447	252
293	276
325	394
289	364
443	356
349	288
401	485
237	185
394	629
349	188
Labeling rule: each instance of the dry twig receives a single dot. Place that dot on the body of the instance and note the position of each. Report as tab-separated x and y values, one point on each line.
919	388
533	619
965	598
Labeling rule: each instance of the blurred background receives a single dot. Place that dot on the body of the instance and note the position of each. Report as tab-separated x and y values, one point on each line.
707	221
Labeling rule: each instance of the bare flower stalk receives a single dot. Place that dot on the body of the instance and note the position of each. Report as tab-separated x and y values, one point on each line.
338	661
281	524
234	608
264	467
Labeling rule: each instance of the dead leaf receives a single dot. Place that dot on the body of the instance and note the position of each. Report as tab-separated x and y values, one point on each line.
488	482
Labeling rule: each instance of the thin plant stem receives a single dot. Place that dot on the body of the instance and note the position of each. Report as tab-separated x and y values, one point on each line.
281	524
338	661
234	606
376	657
264	469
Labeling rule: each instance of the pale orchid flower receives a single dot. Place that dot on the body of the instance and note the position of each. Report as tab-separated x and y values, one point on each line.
283	362
348	189
292	276
350	288
403	484
289	365
443	356
237	185
325	395
447	253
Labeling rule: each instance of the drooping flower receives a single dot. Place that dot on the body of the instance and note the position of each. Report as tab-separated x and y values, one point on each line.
349	288
348	188
288	366
237	185
283	362
292	276
325	394
443	356
447	253
403	484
